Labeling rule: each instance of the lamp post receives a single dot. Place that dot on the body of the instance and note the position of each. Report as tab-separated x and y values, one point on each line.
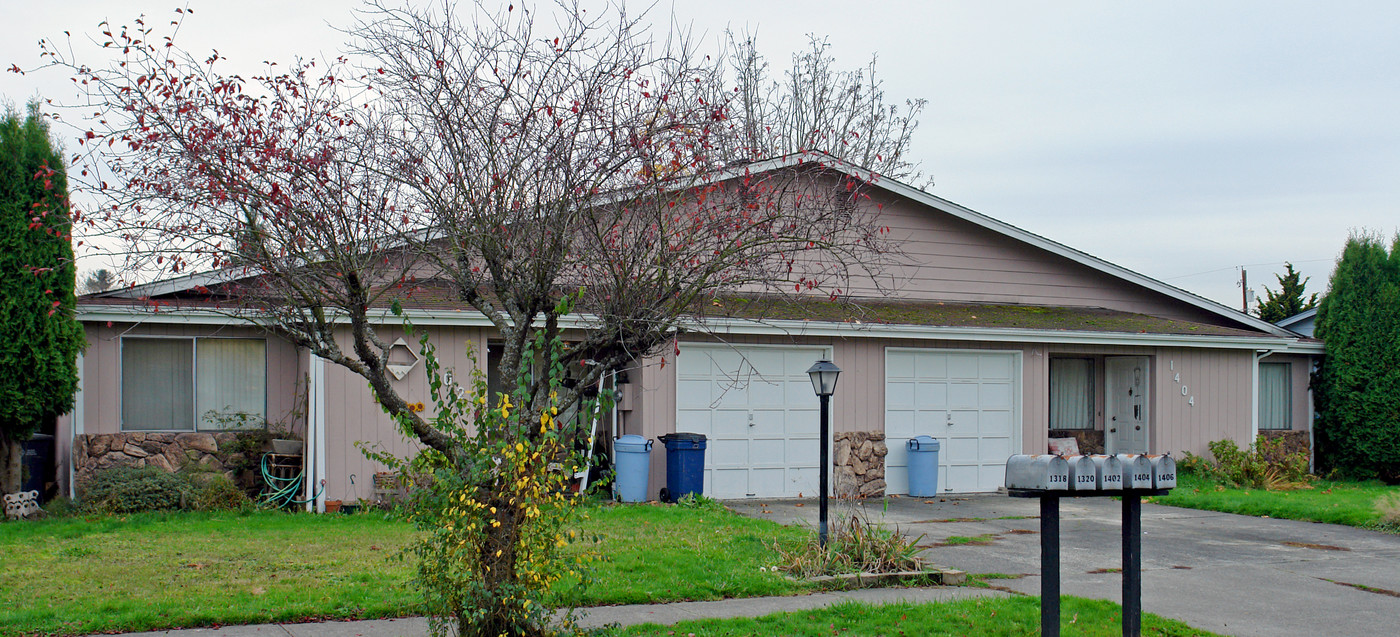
823	374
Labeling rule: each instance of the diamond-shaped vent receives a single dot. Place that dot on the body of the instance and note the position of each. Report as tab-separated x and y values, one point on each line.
402	359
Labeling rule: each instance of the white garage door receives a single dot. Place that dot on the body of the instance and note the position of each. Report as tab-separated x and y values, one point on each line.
968	400
756	406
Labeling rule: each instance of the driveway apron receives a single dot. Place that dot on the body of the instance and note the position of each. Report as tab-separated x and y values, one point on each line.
1231	574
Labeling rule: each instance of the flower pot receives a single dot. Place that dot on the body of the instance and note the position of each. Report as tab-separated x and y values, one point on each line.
286	447
332	506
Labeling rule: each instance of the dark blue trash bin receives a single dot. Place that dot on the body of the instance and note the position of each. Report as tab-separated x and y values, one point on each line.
633	467
923	466
685	465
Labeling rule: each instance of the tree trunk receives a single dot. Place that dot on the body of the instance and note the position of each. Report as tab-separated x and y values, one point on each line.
11	464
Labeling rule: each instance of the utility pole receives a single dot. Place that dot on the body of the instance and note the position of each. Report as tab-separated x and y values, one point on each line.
1244	290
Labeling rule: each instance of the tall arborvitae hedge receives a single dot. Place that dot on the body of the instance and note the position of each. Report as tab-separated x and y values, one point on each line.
39	336
1357	387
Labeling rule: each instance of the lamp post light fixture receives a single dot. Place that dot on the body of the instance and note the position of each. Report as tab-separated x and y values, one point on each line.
824	374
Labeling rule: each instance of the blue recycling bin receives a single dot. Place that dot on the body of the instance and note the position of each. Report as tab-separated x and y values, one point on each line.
633	462
685	465
923	466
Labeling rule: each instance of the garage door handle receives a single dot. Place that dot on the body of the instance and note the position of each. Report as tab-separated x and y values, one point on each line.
1139	427
1113	430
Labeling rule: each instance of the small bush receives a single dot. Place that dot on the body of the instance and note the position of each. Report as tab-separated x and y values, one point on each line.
698	501
1264	465
133	489
218	493
855	544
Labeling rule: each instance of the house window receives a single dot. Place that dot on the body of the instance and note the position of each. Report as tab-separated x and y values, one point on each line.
1275	396
1071	393
184	384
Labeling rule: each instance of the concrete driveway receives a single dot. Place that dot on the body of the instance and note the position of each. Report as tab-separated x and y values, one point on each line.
1226	573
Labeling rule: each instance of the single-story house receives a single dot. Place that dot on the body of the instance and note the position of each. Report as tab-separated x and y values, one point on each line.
996	340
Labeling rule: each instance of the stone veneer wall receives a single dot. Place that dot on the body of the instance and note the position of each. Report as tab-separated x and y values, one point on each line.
169	451
860	464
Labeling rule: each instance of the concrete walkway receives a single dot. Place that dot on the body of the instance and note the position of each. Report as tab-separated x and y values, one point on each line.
1230	574
600	616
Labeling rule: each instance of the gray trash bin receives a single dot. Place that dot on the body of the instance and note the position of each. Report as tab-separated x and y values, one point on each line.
633	467
923	467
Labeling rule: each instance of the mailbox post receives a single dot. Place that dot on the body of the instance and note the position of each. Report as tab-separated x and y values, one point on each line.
1050	477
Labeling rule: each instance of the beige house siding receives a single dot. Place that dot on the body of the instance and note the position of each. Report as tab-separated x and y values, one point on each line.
948	259
1220	381
352	415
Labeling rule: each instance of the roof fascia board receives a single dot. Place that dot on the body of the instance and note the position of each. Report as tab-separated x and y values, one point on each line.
203	316
1297	318
788	328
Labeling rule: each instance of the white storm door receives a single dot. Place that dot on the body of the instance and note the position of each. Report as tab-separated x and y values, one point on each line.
1125	400
756	407
969	400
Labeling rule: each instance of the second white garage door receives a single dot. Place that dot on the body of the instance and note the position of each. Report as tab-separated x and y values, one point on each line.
756	406
968	400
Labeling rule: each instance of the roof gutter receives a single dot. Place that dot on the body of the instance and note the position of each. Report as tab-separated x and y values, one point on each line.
986	334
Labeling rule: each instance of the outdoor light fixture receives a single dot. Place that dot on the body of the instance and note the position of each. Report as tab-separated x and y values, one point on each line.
823	374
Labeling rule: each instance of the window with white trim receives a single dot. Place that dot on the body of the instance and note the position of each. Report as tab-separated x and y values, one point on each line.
1071	393
188	384
1275	396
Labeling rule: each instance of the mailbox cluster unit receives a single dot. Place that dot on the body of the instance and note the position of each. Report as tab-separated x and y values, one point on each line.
1045	472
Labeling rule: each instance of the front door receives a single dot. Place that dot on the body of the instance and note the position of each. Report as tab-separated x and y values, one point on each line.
1125	396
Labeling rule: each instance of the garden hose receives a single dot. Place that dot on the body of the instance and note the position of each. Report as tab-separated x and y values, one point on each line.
282	492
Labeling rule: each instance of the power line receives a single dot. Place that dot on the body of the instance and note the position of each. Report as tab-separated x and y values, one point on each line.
1247	265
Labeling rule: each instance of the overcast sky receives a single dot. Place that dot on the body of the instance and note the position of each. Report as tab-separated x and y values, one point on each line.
1178	139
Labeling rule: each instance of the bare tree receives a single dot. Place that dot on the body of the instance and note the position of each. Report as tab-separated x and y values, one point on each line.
513	163
815	106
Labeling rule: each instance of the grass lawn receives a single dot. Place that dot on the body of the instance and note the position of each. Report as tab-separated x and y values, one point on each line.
1349	503
983	617
78	575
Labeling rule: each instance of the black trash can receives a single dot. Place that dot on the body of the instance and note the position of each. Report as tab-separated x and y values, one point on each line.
685	465
38	465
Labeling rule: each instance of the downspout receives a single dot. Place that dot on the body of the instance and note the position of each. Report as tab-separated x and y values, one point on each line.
612	442
1312	418
316	430
75	429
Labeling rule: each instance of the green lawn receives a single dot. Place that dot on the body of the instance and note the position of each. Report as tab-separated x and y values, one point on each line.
79	575
983	617
1349	503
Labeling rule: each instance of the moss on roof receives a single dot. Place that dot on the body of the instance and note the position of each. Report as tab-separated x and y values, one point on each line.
939	314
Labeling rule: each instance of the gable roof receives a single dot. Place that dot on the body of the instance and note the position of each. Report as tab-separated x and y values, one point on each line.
872	179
